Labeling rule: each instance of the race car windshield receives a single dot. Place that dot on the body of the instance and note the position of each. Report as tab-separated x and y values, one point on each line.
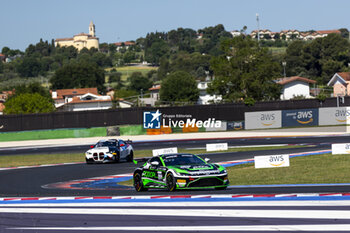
106	144
174	160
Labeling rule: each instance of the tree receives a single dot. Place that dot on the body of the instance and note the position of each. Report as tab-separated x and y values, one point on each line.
116	78
29	67
179	86
138	82
79	75
244	71
29	103
31	89
294	63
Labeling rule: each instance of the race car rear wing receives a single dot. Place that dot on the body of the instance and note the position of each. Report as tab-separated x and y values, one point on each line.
141	160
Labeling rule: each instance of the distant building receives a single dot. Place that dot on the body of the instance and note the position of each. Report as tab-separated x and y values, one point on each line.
292	34
154	96
204	97
235	33
126	45
2	57
81	99
295	86
340	83
81	40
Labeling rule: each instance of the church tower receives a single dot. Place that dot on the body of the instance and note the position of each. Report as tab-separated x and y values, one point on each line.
92	29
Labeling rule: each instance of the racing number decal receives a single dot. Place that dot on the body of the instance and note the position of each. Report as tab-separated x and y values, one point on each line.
149	174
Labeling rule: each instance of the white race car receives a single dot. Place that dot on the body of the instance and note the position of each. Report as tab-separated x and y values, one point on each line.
111	150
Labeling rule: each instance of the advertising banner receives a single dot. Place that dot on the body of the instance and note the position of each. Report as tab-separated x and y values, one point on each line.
334	116
164	151
216	146
235	125
299	117
340	148
263	120
271	161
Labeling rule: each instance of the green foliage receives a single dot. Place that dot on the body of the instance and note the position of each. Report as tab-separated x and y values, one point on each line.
179	86
28	103
318	59
138	82
29	67
79	75
249	101
32	88
244	71
115	77
298	97
321	97
122	93
129	56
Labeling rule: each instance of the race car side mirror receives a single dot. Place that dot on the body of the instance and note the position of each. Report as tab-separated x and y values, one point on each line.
155	163
206	159
91	146
122	144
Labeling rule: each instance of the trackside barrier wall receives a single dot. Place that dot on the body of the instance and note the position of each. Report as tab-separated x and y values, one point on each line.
232	112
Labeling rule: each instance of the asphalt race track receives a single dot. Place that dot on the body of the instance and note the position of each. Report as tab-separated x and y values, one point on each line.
29	181
144	145
237	209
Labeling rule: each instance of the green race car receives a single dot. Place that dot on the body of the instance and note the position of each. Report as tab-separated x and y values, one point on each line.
179	171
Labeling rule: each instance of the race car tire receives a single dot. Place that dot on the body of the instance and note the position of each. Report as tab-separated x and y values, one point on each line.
89	161
221	188
116	158
170	182
138	184
130	156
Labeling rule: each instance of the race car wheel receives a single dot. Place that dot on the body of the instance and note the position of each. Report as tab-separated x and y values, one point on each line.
170	182
130	156
116	158
89	161
138	184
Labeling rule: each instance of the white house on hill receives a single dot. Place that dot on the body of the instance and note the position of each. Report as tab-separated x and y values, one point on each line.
295	86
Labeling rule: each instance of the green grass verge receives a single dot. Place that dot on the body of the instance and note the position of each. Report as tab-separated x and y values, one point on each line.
27	160
132	130
30	160
312	169
52	134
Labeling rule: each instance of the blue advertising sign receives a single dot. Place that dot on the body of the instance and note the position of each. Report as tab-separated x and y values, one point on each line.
151	120
299	117
235	125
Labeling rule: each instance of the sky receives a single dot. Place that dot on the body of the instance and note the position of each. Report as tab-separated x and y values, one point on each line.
25	22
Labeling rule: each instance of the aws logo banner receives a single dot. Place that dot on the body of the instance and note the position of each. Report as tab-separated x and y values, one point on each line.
334	116
263	120
340	148
271	161
300	117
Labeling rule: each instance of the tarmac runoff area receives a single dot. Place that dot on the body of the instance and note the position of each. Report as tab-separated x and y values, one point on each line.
290	132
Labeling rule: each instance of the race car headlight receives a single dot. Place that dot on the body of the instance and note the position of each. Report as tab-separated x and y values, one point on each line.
88	153
181	173
223	171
